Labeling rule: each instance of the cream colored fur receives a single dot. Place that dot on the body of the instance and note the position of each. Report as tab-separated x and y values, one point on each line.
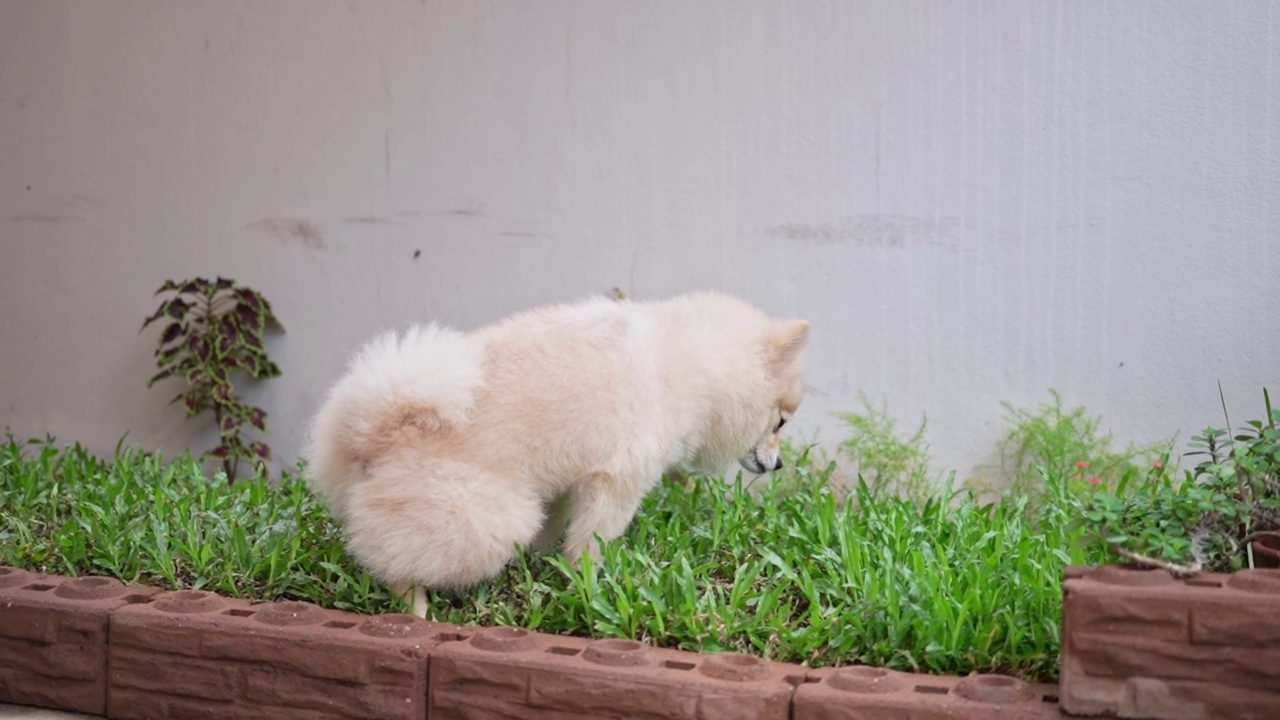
440	452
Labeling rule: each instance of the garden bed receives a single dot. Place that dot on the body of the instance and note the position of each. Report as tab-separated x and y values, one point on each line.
796	577
140	587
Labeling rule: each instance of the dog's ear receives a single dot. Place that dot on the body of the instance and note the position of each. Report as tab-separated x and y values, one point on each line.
787	344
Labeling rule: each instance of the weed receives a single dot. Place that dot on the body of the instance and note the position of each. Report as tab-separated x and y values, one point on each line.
1064	444
887	462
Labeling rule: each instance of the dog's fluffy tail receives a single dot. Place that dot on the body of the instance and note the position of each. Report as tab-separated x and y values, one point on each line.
437	523
424	379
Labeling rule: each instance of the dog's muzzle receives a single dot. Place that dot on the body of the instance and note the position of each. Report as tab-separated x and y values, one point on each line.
753	463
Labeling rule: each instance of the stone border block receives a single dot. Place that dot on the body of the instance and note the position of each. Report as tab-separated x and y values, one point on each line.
859	692
1143	644
506	672
192	653
53	638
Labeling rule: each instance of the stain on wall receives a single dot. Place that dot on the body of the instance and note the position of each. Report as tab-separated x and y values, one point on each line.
43	218
892	231
368	220
292	231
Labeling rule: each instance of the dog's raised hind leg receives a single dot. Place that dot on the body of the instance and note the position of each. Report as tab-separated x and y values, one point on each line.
419	605
417	602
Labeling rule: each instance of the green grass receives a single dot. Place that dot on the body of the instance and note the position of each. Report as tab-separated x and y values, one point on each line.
943	585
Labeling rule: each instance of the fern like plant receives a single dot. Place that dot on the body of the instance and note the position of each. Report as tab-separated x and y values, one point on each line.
215	328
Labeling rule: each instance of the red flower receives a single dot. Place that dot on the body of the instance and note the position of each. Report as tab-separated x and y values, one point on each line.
1094	480
1157	464
1082	464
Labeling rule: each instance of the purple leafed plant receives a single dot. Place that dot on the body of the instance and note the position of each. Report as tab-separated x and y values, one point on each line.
214	328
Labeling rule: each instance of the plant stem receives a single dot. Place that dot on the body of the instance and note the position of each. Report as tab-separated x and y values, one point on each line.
226	462
205	324
1180	571
1257	536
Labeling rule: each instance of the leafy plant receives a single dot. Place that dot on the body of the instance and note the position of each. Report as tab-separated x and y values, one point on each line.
1065	444
886	461
1204	522
215	328
1250	459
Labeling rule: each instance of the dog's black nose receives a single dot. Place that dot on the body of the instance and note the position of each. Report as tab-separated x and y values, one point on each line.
778	465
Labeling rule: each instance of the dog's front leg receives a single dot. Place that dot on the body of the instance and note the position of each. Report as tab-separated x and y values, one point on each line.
601	506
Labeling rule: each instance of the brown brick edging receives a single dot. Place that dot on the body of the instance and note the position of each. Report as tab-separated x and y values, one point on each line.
53	638
867	693
95	645
511	672
1142	644
194	654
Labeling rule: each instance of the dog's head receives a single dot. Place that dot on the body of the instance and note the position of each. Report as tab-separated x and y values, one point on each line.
783	355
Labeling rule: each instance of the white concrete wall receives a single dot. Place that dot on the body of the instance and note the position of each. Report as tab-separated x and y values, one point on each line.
973	202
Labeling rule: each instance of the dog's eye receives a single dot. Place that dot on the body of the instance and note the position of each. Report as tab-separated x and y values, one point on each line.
781	422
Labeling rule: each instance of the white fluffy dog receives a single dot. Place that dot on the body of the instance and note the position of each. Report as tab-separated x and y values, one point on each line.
440	452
